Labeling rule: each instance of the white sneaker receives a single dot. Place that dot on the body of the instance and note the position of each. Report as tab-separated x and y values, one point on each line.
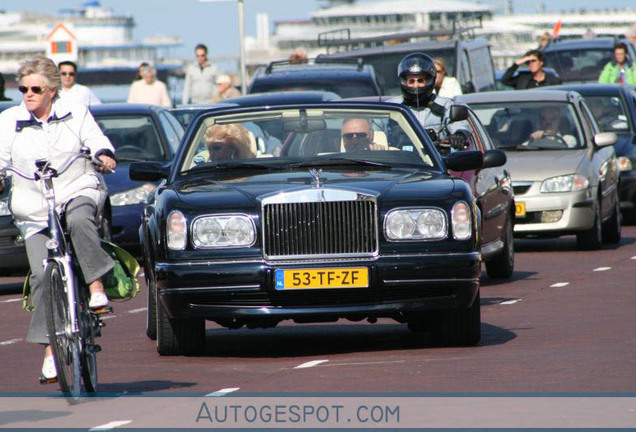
98	300
48	368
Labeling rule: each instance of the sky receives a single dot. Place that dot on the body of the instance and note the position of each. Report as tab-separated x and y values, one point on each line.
215	24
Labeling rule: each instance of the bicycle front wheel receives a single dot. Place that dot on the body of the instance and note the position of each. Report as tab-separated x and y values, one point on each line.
65	343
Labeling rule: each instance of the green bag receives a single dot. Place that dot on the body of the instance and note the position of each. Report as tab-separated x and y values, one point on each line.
120	283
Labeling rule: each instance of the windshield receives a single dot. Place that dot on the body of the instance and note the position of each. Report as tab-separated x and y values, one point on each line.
386	64
531	125
579	64
609	113
134	137
287	138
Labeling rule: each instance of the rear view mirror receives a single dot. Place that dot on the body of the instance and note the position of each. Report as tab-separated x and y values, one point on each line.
604	139
458	113
464	161
303	125
494	158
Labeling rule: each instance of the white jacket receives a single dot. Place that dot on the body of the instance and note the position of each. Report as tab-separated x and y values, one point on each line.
24	139
81	94
199	86
450	88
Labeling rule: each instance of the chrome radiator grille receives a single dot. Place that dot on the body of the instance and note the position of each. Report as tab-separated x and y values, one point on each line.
311	229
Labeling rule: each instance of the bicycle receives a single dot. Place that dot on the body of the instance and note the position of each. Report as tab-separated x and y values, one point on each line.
71	325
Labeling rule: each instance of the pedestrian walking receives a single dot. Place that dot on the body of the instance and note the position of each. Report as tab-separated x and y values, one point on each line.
199	86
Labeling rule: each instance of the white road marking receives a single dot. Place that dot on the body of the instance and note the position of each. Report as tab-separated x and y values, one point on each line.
310	364
111	425
11	300
108	317
510	302
143	309
559	284
393	361
600	269
634	257
9	342
223	392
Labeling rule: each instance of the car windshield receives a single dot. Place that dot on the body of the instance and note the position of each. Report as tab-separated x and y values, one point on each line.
609	112
579	64
531	125
185	116
299	137
134	137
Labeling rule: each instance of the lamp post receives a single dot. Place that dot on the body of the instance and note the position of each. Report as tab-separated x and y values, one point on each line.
241	28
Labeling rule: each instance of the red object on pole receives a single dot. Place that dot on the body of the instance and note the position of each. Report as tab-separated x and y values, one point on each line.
557	28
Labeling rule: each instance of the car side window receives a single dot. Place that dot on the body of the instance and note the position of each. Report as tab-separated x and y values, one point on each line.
173	138
590	124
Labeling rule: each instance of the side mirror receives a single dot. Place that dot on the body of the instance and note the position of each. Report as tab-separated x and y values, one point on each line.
468	87
604	139
464	161
149	171
494	158
458	113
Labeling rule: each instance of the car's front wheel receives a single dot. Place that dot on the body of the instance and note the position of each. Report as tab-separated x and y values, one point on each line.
459	327
503	265
151	312
179	336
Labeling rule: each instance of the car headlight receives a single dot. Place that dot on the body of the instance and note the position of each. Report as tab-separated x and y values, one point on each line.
415	224
176	231
624	163
568	183
132	196
223	231
461	221
4	207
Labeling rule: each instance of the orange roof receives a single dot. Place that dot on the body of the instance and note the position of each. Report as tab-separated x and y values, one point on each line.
58	27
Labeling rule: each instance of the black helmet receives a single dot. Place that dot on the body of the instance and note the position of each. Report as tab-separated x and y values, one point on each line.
415	64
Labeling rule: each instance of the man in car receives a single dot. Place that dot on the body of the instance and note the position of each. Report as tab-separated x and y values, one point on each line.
417	73
549	127
357	136
536	77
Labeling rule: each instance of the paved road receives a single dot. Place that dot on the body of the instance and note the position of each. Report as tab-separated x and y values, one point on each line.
564	323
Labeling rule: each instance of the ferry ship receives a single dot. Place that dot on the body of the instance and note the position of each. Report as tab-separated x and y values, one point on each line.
509	34
107	53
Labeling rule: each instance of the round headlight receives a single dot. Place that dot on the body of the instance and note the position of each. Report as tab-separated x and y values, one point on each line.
400	225
431	224
239	231
206	232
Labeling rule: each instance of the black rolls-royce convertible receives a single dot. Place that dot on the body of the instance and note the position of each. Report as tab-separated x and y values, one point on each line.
344	210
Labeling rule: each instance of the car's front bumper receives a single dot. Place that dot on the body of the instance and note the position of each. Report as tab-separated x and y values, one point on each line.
246	290
12	251
577	213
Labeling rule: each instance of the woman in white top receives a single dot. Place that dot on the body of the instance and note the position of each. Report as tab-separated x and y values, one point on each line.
149	90
445	85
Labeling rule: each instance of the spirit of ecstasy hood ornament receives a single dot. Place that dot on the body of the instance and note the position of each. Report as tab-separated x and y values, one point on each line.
315	173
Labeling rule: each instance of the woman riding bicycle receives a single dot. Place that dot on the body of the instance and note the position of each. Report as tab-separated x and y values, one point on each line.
44	126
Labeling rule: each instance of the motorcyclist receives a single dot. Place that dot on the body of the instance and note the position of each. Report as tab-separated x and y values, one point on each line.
416	73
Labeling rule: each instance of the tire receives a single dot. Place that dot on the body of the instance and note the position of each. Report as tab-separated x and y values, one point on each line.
459	327
88	356
612	228
179	336
503	265
592	239
151	313
66	350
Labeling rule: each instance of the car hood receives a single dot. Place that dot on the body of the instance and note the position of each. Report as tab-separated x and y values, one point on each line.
247	191
541	164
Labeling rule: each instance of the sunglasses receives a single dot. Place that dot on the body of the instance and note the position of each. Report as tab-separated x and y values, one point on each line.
67	73
353	135
35	89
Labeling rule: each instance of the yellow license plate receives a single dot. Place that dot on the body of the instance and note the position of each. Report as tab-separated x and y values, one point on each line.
520	209
355	277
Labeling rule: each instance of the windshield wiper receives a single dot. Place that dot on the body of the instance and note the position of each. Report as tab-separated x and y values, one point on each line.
340	161
233	165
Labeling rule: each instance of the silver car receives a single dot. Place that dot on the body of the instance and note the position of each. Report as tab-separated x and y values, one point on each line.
563	169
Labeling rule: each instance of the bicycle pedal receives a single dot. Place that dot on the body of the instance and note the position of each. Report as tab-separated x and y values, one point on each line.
45	381
102	310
